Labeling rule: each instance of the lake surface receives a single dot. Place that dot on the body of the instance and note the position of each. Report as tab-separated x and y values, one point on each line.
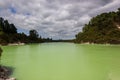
63	61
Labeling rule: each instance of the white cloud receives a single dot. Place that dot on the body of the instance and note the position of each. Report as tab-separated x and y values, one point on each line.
54	18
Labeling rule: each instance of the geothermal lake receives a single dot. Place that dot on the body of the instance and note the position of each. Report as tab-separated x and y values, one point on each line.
63	61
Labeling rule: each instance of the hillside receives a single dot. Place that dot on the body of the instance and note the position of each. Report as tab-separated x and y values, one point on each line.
104	28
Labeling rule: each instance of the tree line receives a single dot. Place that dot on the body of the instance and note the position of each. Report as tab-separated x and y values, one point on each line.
9	34
104	28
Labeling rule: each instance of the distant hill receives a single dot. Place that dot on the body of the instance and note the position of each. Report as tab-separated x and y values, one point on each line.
104	28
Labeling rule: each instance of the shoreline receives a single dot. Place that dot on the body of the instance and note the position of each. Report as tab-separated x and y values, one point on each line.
12	44
87	43
91	43
15	44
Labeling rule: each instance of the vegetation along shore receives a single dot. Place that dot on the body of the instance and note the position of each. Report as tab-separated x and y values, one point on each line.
102	29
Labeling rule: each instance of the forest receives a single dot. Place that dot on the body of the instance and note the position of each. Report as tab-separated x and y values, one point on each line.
102	29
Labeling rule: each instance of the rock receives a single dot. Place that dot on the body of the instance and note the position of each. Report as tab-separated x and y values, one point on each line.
5	73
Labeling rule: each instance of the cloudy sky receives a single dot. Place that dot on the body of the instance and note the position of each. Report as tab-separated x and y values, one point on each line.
59	19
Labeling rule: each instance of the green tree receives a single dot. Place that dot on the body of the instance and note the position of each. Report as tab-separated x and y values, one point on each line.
13	29
33	35
6	27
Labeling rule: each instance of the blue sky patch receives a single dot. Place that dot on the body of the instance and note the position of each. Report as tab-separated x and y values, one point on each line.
20	30
13	10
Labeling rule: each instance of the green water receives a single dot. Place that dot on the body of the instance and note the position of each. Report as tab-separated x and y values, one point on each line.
63	61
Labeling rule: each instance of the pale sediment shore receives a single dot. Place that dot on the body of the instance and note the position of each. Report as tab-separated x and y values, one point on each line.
12	44
95	43
8	79
15	44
